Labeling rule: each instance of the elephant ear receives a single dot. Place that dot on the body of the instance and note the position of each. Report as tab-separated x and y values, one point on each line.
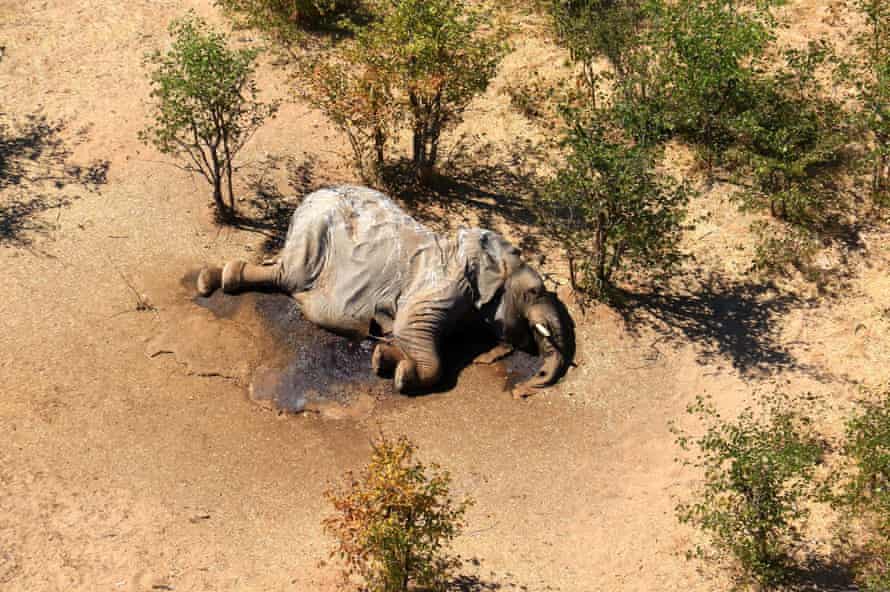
490	268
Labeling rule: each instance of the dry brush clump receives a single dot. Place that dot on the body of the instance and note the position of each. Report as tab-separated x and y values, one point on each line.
393	522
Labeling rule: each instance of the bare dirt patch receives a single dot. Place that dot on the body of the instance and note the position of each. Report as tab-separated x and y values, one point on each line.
122	471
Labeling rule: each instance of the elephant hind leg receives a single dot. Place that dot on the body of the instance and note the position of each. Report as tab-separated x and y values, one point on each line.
238	276
209	280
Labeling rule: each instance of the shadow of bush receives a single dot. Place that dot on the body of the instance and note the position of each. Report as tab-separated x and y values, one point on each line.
735	320
34	167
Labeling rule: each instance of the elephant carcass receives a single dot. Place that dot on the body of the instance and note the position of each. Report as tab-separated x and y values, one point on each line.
359	265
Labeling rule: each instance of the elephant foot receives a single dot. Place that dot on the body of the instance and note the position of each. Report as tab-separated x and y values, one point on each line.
522	391
232	277
384	359
405	378
499	352
209	280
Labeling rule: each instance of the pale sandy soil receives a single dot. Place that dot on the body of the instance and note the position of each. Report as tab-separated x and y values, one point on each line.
120	471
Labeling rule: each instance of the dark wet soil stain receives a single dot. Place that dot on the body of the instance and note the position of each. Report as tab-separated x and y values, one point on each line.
520	367
313	365
316	366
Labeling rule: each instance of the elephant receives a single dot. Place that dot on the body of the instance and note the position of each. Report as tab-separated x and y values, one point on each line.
359	266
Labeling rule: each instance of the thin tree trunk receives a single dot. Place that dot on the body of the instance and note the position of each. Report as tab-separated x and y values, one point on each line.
218	196
217	174
228	165
601	253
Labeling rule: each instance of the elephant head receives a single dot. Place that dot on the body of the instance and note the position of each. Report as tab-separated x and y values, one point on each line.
512	297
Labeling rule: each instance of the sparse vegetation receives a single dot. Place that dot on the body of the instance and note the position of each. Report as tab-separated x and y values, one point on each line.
758	473
416	65
609	210
287	20
394	521
864	501
206	106
869	74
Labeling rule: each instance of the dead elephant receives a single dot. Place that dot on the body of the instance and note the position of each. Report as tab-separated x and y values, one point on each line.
360	266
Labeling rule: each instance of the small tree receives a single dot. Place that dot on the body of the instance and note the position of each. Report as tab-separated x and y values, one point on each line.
709	51
591	29
758	472
865	498
417	64
789	152
610	211
440	54
394	521
206	107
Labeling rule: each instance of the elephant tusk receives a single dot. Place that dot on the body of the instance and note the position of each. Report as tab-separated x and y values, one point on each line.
542	329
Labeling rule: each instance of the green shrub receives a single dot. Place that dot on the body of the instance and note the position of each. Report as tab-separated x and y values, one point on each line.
709	51
394	521
758	473
609	210
865	499
206	107
789	152
591	29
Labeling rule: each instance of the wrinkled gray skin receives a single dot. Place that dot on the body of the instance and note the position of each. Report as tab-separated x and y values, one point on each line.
359	266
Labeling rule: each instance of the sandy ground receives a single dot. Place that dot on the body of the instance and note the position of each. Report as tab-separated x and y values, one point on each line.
132	458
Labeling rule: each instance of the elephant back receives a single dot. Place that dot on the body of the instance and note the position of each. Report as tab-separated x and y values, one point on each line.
360	252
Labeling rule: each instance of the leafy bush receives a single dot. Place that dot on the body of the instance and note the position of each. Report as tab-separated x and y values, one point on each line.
358	99
286	20
594	28
421	62
869	72
609	210
708	51
620	31
865	500
394	521
206	107
758	472
789	151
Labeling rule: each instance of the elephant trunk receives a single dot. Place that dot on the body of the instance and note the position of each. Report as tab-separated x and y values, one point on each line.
555	339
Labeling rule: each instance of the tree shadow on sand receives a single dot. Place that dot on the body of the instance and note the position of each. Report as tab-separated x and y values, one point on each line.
819	575
271	210
734	320
34	169
469	190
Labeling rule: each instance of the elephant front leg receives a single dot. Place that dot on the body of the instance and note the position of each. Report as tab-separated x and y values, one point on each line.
498	352
420	366
385	358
